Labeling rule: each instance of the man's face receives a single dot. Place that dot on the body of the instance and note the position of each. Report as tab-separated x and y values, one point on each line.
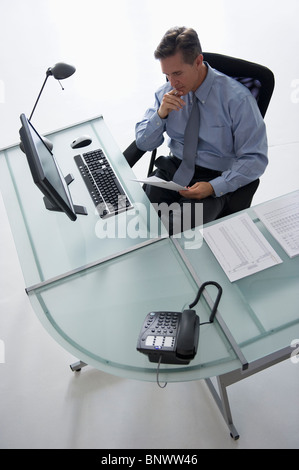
183	77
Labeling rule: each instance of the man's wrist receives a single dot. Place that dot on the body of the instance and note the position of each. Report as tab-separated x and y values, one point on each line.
161	116
212	189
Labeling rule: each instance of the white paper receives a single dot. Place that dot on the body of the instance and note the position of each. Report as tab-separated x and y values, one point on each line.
240	248
281	218
155	181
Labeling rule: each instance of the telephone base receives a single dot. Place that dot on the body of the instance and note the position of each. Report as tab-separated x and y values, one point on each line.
167	358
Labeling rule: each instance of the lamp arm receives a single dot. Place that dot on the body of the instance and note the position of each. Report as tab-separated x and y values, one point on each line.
39	96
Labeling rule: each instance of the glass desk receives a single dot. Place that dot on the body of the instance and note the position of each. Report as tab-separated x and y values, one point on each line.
92	282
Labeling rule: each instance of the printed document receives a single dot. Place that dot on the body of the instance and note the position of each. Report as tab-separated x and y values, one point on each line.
281	218
155	181
239	246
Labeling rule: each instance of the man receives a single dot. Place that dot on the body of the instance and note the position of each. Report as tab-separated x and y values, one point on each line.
232	144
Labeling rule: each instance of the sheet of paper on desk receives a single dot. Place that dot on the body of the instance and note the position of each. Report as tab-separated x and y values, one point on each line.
281	218
240	248
155	181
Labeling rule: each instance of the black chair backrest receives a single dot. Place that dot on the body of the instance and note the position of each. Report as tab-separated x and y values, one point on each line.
258	78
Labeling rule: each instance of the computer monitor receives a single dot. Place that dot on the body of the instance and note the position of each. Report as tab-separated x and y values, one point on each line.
45	172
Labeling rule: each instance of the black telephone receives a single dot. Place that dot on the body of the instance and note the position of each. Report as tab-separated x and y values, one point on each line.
170	337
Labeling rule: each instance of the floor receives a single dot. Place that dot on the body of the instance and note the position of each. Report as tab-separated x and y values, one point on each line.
43	404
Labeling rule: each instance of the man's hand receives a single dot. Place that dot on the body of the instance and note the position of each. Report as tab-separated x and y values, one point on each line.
199	190
171	101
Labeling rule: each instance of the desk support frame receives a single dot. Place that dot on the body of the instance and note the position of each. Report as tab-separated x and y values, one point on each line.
225	380
247	369
68	274
77	366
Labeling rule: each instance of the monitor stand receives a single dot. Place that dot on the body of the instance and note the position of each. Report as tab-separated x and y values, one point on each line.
80	210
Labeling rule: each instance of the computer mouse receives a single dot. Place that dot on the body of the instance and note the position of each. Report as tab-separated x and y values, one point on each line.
81	141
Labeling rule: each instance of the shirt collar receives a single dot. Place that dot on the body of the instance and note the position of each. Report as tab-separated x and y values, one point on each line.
204	89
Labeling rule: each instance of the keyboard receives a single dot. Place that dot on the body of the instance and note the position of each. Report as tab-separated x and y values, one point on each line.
103	185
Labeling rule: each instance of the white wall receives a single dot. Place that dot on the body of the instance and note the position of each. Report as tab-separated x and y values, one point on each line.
111	43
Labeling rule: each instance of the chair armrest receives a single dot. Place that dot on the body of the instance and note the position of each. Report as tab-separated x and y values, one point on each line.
132	154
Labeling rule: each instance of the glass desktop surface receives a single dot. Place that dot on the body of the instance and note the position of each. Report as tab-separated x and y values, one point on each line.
97	315
261	310
49	243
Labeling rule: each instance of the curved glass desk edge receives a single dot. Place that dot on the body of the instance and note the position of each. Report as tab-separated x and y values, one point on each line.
142	369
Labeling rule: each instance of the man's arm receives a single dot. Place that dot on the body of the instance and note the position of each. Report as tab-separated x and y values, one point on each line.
149	131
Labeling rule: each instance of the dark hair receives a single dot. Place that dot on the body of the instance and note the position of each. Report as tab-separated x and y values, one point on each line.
179	39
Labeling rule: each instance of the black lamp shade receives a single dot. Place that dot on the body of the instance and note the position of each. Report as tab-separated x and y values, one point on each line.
60	71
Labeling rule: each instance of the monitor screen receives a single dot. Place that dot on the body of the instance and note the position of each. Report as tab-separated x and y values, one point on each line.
45	170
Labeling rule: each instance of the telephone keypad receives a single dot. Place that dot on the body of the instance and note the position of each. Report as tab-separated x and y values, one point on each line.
169	337
160	329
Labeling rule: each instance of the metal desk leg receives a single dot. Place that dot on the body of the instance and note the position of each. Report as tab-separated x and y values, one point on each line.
222	402
77	366
230	378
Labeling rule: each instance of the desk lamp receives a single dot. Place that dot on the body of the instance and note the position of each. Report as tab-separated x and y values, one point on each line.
59	71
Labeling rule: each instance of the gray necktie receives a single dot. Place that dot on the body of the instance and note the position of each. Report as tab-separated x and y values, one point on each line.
185	172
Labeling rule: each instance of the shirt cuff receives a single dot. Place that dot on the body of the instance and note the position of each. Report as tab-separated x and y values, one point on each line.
220	186
156	121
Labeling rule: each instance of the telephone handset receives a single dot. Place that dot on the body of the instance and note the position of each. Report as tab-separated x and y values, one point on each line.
170	337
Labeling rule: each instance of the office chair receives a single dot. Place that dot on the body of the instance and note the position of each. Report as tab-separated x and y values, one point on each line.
260	81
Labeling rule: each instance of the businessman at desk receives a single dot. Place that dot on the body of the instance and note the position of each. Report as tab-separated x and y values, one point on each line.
228	132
